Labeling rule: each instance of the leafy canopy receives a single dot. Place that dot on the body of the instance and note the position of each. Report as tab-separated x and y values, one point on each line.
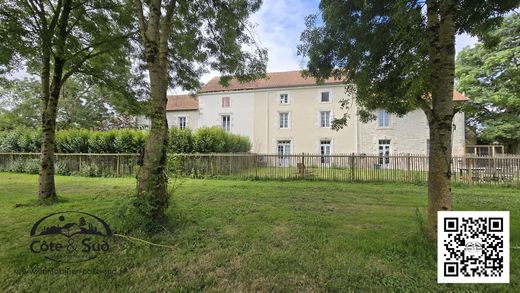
206	35
490	76
96	37
382	47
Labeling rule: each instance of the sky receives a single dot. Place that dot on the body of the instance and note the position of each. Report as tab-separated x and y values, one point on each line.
278	28
279	25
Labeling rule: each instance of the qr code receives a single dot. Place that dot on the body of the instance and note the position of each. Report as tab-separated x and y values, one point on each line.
473	247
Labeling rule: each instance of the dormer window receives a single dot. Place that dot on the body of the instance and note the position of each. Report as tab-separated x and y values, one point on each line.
284	99
225	102
325	97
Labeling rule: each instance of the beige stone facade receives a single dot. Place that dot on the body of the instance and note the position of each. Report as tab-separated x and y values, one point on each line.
291	114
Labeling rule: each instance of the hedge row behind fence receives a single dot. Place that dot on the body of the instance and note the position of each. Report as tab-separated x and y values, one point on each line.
203	140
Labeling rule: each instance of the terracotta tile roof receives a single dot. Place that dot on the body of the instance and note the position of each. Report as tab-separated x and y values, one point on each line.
280	80
458	96
273	80
182	102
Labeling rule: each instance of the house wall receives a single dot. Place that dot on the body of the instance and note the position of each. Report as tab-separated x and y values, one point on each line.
192	118
172	117
304	129
241	111
407	134
255	114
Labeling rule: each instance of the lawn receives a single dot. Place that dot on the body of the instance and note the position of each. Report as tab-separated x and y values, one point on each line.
226	235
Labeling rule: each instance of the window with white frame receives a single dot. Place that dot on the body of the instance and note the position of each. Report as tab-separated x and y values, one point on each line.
283	149
284	98
325	97
383	119
226	102
284	119
325	119
226	122
182	122
325	151
384	151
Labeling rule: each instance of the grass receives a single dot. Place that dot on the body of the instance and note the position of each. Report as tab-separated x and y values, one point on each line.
248	236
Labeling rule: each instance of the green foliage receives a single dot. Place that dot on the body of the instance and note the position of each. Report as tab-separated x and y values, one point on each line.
89	170
384	48
216	140
180	140
20	140
204	140
72	141
490	76
19	104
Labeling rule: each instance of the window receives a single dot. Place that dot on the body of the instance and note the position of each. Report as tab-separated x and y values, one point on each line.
284	99
325	119
284	120
182	122
325	97
325	151
225	102
384	151
383	119
284	149
226	122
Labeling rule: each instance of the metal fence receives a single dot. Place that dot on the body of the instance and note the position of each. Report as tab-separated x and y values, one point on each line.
407	168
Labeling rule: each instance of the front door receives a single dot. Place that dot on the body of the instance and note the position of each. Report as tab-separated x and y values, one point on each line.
384	152
284	149
325	151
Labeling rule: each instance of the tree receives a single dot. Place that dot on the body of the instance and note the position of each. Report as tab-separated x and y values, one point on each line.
179	39
490	76
58	39
19	104
400	55
81	105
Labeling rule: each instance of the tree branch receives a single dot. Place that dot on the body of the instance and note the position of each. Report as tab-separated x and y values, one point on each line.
142	21
423	104
77	66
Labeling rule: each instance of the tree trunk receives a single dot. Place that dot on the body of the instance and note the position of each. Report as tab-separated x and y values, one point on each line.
49	103
152	179
46	187
441	32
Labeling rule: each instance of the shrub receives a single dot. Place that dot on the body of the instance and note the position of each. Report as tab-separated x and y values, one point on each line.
9	141
61	168
204	140
32	166
72	141
180	140
102	142
209	140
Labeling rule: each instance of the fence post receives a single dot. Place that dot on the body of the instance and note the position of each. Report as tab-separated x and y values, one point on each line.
470	171
408	171
256	166
352	167
118	163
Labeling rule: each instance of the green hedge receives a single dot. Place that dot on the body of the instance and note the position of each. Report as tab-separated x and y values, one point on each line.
203	140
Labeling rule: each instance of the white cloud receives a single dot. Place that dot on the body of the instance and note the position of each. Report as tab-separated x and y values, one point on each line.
278	28
464	40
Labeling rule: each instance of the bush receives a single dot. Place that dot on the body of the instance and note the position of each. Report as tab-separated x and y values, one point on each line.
72	141
180	140
61	168
102	142
204	140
